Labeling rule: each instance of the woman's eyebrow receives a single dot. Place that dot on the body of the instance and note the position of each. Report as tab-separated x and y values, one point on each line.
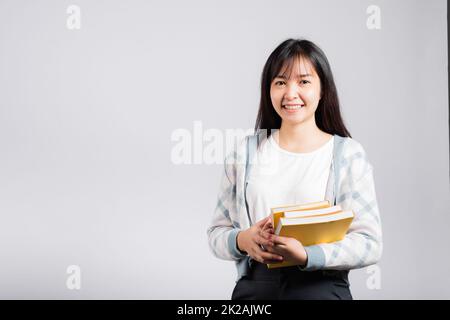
298	76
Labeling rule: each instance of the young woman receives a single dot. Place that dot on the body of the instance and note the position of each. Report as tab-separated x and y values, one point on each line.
306	155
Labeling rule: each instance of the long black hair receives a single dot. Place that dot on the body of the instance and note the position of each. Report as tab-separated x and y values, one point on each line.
328	115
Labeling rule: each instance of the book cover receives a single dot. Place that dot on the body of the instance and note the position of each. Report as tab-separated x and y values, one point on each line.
279	212
311	230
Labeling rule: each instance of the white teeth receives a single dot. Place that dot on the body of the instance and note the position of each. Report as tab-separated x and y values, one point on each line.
293	107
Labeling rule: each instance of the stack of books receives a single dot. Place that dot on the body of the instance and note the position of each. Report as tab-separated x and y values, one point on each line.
310	223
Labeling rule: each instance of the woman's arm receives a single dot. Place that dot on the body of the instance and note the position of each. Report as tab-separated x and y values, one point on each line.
222	231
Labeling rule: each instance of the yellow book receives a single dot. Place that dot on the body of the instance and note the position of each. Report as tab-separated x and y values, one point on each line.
278	212
311	230
311	213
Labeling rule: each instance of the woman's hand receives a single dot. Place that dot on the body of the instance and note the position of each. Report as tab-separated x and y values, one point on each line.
290	248
268	226
251	240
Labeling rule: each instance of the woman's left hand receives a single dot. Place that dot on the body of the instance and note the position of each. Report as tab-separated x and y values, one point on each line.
290	248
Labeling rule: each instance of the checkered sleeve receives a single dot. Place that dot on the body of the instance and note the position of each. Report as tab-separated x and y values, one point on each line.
223	230
362	245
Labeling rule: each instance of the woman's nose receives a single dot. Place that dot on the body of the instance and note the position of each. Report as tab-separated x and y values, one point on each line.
292	92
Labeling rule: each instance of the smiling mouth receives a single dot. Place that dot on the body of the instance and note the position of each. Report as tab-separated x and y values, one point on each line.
293	107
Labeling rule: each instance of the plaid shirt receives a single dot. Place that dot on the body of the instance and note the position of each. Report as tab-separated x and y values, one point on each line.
350	185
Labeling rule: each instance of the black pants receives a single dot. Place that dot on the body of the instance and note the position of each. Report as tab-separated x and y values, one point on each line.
290	283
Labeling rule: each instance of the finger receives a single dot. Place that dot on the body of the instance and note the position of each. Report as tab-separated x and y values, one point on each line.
265	234
277	239
271	256
268	224
277	249
264	241
267	228
271	249
262	221
268	221
280	249
262	256
256	254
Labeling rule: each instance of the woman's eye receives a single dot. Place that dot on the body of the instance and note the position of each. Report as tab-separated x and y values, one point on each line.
304	81
279	83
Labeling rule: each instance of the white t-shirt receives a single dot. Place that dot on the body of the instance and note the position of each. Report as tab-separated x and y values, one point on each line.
281	178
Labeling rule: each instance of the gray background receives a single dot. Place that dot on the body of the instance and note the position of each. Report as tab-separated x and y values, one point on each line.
86	118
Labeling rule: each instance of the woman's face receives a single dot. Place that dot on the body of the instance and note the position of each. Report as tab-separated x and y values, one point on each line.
296	99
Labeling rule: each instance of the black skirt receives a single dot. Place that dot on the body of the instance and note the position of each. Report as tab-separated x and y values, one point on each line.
290	283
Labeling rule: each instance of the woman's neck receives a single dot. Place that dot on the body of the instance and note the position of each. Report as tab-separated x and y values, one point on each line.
305	137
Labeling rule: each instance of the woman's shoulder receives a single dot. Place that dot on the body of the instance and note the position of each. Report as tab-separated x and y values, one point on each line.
350	146
353	155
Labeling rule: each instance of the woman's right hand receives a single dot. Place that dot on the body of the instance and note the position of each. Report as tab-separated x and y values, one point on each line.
251	239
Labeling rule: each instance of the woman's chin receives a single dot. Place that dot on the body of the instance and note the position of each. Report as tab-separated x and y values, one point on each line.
294	119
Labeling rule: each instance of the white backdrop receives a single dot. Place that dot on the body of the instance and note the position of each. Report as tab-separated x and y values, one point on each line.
86	118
